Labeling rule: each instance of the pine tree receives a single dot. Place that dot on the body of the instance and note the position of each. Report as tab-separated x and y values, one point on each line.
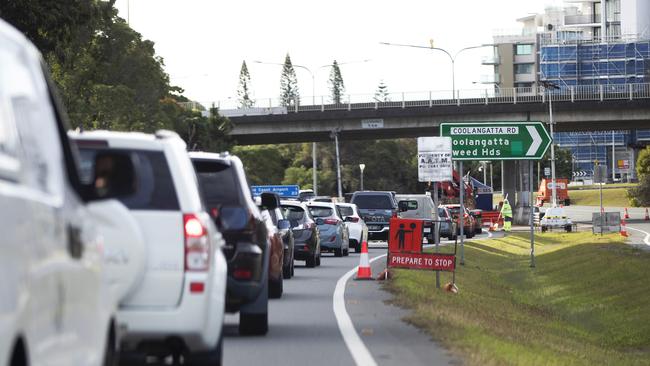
381	95
335	82
289	93
243	90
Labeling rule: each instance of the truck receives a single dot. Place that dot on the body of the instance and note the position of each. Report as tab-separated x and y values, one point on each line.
545	192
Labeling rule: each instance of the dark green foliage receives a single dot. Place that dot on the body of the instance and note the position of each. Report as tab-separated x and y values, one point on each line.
337	87
108	76
243	90
289	93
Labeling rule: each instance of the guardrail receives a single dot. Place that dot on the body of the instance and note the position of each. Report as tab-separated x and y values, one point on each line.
447	98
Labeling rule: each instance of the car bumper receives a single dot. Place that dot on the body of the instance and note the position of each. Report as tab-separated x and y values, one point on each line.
197	319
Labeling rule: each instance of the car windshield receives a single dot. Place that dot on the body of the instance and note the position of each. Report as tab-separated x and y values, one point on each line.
317	211
373	201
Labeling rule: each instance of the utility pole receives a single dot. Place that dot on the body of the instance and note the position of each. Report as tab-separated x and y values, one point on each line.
547	87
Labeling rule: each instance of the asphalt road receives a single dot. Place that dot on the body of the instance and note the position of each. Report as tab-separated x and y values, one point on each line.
303	328
638	229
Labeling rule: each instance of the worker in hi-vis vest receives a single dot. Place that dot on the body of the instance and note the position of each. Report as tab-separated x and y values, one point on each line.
506	212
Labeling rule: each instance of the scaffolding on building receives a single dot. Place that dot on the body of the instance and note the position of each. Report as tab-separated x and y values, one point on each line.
568	60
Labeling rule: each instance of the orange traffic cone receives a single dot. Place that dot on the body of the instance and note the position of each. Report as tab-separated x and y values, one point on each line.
364	272
491	228
647	217
627	216
623	228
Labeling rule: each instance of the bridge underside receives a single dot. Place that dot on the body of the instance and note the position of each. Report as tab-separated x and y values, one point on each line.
423	121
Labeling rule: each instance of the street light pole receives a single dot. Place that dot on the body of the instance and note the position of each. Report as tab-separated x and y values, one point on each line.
362	167
335	134
451	58
547	87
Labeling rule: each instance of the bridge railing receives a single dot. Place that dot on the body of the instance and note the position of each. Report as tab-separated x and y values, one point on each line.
445	98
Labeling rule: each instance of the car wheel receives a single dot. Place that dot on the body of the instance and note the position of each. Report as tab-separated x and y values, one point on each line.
286	271
338	252
253	324
209	358
293	267
111	355
311	261
318	259
275	288
346	252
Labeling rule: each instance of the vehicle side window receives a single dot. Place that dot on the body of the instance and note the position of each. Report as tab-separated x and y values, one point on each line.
28	120
155	186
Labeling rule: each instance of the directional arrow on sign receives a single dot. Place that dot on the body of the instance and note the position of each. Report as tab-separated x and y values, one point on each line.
497	140
537	141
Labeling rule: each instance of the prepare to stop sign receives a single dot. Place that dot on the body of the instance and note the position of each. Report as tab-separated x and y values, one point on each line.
430	261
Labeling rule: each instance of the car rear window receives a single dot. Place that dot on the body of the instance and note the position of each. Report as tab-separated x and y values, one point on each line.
346	210
321	211
218	182
295	215
155	187
373	201
442	212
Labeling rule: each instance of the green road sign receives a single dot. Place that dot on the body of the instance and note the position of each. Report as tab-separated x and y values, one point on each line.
497	140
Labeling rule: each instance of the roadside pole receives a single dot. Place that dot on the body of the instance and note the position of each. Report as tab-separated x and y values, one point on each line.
602	210
436	227
532	221
461	215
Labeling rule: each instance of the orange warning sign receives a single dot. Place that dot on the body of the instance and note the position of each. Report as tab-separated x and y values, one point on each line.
406	235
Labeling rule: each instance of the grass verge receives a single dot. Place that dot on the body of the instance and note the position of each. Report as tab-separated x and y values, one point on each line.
613	197
587	302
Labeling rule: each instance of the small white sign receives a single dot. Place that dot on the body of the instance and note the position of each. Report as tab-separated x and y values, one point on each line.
372	123
547	171
434	159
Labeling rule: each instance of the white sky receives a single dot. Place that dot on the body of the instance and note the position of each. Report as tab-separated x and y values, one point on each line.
203	42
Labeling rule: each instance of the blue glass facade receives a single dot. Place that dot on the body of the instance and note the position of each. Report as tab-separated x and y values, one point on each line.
579	63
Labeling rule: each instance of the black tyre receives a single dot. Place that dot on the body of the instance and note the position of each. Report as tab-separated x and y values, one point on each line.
338	252
346	252
286	271
253	324
355	245
568	228
209	358
567	202
111	353
318	259
293	267
311	261
275	288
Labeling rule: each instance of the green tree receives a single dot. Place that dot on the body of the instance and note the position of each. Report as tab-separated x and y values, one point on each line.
337	87
243	90
563	162
640	195
289	93
381	94
643	163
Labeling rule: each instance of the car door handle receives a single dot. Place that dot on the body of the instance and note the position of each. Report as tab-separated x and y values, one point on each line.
75	244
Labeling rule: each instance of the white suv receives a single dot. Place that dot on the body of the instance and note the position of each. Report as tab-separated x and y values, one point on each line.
176	307
55	305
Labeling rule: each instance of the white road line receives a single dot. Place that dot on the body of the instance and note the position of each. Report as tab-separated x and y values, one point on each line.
647	235
357	348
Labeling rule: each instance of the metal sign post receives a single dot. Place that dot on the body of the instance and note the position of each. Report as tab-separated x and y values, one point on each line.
600	176
434	165
461	215
532	221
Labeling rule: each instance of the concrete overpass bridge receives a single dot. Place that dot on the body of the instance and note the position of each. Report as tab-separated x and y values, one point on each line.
581	108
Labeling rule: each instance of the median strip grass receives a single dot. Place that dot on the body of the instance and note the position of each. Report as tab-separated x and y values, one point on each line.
587	302
613	197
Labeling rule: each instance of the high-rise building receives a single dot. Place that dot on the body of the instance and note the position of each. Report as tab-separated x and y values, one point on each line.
584	42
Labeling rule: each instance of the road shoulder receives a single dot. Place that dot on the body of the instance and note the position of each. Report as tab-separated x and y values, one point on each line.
379	324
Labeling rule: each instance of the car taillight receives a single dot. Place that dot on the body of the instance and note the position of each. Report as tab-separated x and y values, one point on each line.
197	256
331	221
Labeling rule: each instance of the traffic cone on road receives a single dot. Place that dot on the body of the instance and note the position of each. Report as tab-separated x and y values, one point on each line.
623	228
627	215
647	217
364	272
491	228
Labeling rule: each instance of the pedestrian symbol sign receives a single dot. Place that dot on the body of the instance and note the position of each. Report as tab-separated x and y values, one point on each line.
406	235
